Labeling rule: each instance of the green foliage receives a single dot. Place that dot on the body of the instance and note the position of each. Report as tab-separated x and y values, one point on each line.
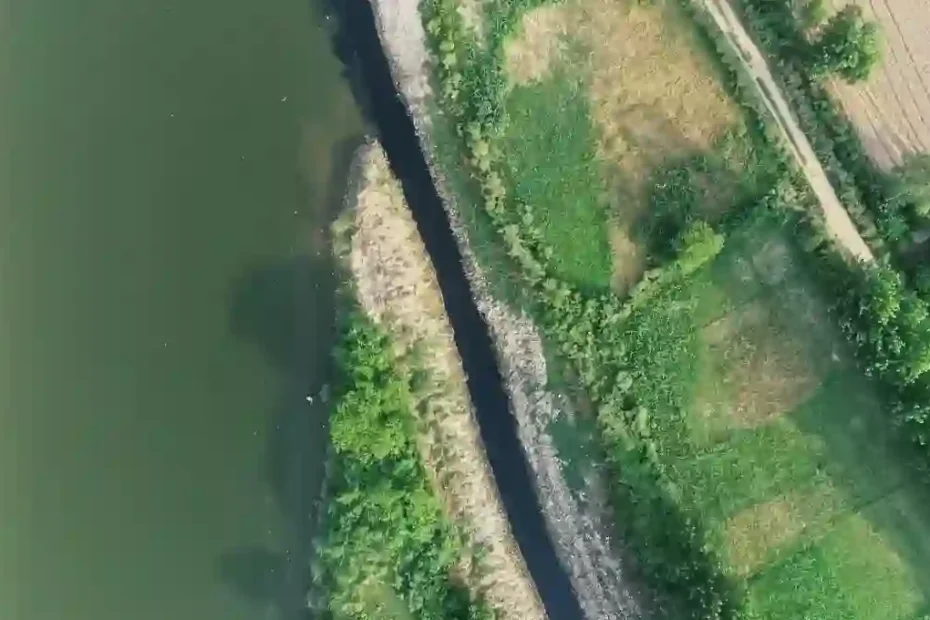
848	45
911	184
813	13
698	245
890	324
586	326
884	318
636	359
388	550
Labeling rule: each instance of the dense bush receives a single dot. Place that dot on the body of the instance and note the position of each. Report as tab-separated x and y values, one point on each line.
890	325
388	550
910	185
846	45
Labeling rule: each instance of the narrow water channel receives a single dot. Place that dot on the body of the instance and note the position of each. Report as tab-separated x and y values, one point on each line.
472	338
165	303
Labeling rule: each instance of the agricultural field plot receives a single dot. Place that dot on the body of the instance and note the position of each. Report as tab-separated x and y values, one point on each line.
892	110
777	443
616	112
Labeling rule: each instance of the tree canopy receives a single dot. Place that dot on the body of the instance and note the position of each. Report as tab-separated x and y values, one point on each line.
911	183
848	45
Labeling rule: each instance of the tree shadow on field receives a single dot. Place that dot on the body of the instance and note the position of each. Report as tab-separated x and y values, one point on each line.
286	309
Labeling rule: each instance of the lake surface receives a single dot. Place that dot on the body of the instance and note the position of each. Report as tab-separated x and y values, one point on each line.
168	170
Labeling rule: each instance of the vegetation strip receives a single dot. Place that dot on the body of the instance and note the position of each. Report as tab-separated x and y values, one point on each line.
882	313
837	220
883	215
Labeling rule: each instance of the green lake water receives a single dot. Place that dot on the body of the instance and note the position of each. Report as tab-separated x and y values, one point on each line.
168	170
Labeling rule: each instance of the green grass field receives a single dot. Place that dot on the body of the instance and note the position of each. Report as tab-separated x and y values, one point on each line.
552	166
778	443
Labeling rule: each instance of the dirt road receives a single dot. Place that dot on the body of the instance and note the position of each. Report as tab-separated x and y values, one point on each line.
838	222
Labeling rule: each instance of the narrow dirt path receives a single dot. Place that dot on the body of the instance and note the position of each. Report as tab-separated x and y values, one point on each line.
838	222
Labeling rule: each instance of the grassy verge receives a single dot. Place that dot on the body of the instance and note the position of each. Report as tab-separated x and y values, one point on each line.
768	434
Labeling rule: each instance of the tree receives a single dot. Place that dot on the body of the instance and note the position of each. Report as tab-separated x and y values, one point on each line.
812	12
911	184
848	45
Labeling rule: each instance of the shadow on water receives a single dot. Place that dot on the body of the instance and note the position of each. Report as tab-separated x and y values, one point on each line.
285	309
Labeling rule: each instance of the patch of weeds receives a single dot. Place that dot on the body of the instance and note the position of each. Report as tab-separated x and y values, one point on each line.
500	270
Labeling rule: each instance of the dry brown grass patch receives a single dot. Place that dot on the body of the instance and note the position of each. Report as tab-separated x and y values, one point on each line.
760	371
542	38
397	287
652	96
755	535
627	256
652	93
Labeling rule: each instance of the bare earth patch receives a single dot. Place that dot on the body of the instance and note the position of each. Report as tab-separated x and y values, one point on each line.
772	261
760	371
892	110
755	535
397	287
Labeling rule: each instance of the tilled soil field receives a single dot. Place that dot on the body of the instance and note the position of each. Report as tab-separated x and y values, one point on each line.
892	110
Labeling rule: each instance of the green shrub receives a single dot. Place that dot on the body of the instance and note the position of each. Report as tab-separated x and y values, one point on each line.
847	45
910	184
